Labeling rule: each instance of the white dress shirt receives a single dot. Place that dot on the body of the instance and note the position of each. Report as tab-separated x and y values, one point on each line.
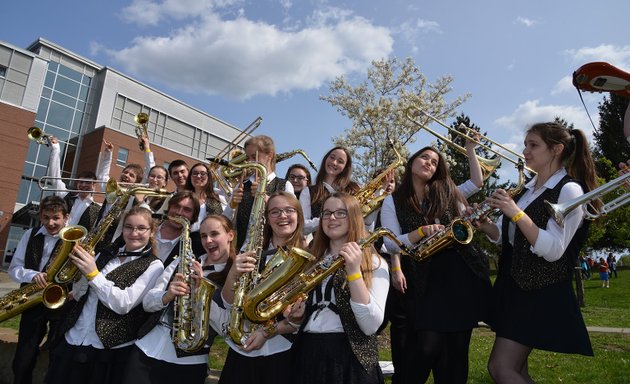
369	316
158	343
554	240
17	271
311	223
121	301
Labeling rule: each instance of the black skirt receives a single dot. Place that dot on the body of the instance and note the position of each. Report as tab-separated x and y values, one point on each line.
271	369
547	318
453	299
322	358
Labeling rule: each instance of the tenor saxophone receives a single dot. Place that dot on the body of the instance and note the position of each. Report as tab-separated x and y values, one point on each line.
191	311
236	327
53	296
267	308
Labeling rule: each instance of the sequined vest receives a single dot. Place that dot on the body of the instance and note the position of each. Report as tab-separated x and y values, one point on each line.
114	329
89	216
245	207
531	271
213	207
409	221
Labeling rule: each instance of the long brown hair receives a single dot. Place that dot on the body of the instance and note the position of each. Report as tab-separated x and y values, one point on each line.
441	192
208	190
343	181
297	238
576	156
356	232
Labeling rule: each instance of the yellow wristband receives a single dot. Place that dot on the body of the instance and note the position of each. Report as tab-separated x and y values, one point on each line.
394	269
518	216
92	274
354	276
147	150
421	232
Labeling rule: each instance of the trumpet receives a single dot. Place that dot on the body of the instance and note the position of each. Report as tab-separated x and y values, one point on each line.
560	211
488	166
37	135
141	119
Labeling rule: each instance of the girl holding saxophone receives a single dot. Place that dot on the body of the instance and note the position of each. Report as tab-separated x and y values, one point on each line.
337	338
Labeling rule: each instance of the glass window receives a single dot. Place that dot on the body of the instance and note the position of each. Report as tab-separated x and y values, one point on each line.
46	92
67	86
123	155
70	73
3	71
59	115
50	79
53	66
65	100
23	192
83	92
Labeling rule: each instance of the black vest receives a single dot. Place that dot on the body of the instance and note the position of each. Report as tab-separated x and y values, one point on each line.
90	215
531	271
35	249
245	207
114	329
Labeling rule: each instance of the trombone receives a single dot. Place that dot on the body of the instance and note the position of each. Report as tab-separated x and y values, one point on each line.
560	211
141	119
487	165
43	184
37	135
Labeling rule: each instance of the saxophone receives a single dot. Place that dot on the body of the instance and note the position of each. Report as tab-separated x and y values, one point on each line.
461	230
366	195
234	168
247	281
267	308
69	272
191	311
53	296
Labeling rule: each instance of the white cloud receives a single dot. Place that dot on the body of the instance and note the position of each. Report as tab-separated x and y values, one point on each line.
565	84
525	21
149	12
531	112
428	26
618	56
242	58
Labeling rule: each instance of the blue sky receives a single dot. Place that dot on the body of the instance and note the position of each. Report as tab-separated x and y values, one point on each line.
237	60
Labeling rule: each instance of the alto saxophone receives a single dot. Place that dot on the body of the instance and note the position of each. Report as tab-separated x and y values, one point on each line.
460	230
367	194
192	311
53	296
245	283
267	308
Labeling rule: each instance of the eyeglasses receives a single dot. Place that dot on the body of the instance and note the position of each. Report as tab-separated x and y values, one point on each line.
130	229
199	174
339	214
156	177
276	212
296	178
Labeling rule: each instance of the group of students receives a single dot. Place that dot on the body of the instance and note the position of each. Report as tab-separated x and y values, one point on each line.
118	325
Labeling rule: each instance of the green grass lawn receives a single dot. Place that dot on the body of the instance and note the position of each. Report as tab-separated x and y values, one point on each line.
603	307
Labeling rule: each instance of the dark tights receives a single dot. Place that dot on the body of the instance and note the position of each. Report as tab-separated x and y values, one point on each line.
444	353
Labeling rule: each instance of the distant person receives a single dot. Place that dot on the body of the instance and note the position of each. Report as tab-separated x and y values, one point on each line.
586	272
612	265
603	272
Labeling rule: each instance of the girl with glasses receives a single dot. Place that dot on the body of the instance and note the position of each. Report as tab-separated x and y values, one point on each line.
337	338
99	331
265	355
212	201
154	358
300	177
335	175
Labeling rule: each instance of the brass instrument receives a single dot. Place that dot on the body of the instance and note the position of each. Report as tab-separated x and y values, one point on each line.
69	272
37	135
141	119
367	194
461	230
560	211
285	263
119	188
53	296
286	155
192	311
236	327
488	166
267	308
